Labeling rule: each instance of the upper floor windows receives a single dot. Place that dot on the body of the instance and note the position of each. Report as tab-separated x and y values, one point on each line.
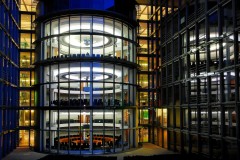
28	5
77	36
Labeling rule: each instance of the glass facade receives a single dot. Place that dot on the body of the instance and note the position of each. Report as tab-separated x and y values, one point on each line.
27	103
87	84
197	52
92	88
9	20
148	77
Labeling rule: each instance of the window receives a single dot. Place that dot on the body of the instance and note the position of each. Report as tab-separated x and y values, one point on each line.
25	41
26	22
25	79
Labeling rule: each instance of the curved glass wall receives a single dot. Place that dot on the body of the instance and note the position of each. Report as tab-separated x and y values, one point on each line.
87	36
88	85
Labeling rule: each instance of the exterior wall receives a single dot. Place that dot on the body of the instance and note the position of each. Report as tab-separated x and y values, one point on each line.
189	91
87	82
27	121
199	57
148	79
8	75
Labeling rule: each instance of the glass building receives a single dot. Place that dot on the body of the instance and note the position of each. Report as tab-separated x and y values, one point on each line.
104	76
86	69
27	121
9	41
191	48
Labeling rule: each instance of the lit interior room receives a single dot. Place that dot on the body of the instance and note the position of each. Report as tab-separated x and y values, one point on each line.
88	85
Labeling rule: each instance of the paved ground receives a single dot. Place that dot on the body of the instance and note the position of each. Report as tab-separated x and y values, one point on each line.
24	154
147	150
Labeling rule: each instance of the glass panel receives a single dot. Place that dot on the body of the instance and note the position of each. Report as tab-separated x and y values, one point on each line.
185	118
118	48
216	121
75	24
143	62
165	139
98	43
215	88
159	117
118	28
25	59
142	29
186	143
23	138
204	120
165	118
178	141
194	117
144	116
54	27
143	80
170	115
25	40
204	145
64	25
33	99
97	24
86	23
29	6
143	98
85	45
108	26
26	22
230	122
130	33
54	48
64	46
24	98
194	142
24	119
33	57
143	49
217	148
25	79
126	50
125	31
144	12
47	29
47	49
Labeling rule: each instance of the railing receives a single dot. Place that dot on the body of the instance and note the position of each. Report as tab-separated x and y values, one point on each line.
86	102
